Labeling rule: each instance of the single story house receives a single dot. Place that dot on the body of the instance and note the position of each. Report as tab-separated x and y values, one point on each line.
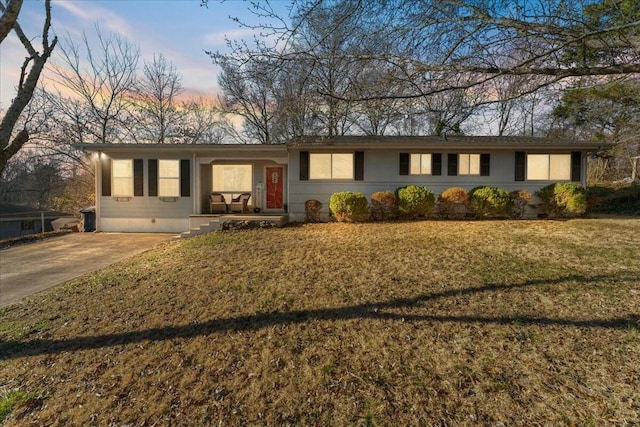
17	221
166	188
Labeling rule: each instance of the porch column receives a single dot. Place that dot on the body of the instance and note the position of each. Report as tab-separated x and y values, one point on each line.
98	164
195	178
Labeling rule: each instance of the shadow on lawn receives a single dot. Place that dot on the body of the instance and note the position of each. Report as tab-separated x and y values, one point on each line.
15	349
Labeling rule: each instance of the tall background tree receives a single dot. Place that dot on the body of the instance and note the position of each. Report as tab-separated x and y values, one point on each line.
97	92
12	138
249	92
99	78
457	59
556	68
157	113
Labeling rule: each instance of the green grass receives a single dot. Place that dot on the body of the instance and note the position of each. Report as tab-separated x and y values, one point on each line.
14	399
416	323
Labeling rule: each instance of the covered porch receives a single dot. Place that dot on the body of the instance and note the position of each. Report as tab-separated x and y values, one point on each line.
233	183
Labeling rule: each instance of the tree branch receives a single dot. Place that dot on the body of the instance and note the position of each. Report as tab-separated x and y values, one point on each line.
9	17
8	146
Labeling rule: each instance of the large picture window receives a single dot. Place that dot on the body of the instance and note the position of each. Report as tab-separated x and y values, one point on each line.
469	164
232	178
122	178
420	164
331	166
549	167
168	178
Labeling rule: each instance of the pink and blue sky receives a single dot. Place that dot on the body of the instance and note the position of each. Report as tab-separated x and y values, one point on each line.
181	30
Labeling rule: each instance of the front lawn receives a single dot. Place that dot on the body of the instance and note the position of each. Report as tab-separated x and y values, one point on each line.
434	323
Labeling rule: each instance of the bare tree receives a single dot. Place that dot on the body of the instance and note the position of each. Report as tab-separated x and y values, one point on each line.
333	71
9	17
156	103
512	112
77	191
31	180
11	139
488	40
282	99
296	101
553	40
103	81
377	116
248	91
200	123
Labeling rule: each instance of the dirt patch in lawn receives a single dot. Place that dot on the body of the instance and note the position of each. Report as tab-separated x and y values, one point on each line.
423	323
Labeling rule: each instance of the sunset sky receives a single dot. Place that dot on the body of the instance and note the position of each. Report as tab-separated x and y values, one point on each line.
179	29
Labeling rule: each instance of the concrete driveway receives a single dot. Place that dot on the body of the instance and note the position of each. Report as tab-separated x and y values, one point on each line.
33	267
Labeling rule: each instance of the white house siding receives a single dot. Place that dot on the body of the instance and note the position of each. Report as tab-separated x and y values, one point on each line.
382	172
145	214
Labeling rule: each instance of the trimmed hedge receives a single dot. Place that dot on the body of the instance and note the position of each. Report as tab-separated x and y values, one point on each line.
349	206
562	200
490	202
452	201
414	201
384	206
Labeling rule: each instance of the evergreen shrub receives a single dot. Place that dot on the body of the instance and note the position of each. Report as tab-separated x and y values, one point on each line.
349	206
562	200
414	201
490	202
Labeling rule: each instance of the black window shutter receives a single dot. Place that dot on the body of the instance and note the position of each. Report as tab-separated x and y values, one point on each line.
404	163
138	180
576	166
358	168
519	166
153	177
185	178
436	164
304	166
452	164
485	164
106	176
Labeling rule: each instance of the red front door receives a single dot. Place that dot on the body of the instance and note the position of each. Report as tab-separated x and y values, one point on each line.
275	180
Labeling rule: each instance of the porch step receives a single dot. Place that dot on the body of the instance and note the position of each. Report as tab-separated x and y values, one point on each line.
210	226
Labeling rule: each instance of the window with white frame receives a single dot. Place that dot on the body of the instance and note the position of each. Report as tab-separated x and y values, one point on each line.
232	178
420	164
549	167
469	164
331	166
122	177
168	178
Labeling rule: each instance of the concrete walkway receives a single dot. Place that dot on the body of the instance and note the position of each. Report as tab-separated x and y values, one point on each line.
33	267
